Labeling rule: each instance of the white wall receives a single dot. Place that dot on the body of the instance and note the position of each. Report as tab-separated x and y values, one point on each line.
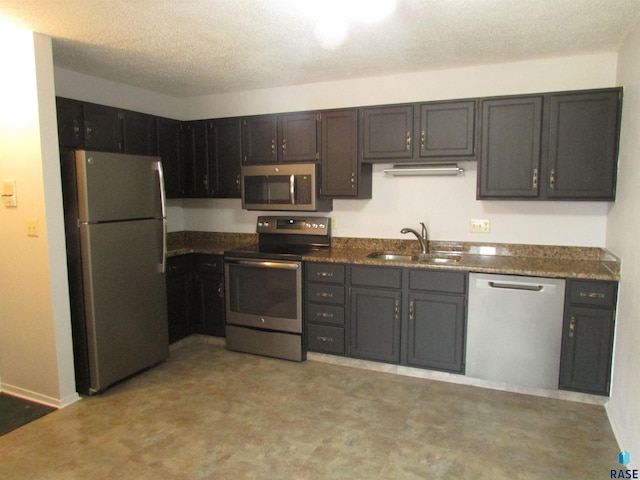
623	232
87	88
446	204
36	357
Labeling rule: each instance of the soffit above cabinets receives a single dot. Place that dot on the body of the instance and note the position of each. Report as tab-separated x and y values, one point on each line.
203	47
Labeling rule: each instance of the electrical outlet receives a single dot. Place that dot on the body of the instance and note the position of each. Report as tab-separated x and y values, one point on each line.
32	227
480	225
334	223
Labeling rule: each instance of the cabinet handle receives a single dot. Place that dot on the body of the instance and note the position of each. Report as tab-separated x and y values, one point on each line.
411	310
220	291
397	309
324	274
325	294
552	179
324	315
89	130
238	181
408	141
284	146
353	180
205	181
572	326
273	146
592	295
423	138
325	339
535	178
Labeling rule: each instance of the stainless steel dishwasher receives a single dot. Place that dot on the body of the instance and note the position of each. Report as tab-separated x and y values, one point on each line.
514	329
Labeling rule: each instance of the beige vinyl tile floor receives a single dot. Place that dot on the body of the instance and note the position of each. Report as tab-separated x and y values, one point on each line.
208	413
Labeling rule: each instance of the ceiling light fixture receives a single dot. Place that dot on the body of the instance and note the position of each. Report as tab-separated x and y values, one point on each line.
333	16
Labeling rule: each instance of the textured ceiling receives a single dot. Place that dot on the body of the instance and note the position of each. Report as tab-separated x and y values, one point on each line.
196	47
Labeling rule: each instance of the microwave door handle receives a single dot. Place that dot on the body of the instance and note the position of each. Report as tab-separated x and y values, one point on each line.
292	189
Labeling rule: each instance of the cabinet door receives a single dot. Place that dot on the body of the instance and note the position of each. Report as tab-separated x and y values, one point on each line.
259	138
583	145
375	324
178	297
447	129
208	308
436	331
342	176
103	128
70	122
511	147
225	152
387	133
196	160
298	137
139	133
169	134
587	342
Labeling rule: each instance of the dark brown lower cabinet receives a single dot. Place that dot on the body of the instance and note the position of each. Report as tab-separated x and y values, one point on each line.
435	337
587	337
375	324
195	296
179	297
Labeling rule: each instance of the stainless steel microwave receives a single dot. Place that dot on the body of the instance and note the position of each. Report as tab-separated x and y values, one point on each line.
284	187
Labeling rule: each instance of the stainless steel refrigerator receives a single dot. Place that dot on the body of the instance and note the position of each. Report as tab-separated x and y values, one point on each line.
116	250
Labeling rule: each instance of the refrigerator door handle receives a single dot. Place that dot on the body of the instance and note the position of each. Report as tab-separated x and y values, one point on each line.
163	211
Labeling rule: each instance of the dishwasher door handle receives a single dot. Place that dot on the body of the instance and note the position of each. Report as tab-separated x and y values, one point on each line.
515	286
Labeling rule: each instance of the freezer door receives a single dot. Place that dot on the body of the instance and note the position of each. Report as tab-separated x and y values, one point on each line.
125	299
114	186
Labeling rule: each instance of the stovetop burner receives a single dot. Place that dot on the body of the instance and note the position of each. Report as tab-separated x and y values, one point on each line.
287	238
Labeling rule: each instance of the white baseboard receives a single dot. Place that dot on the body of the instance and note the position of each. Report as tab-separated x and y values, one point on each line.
38	397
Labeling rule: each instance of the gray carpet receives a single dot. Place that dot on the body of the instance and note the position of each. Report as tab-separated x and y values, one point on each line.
16	412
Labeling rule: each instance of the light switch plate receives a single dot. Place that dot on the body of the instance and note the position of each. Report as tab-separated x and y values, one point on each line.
478	225
9	193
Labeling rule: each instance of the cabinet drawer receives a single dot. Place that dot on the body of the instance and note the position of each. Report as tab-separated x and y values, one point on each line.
600	294
209	263
376	277
324	339
332	314
325	272
178	265
317	292
433	281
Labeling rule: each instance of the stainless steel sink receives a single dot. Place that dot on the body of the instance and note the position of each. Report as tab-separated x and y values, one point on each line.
435	258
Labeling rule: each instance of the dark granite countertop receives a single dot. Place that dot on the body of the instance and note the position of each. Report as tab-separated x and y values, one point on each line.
510	259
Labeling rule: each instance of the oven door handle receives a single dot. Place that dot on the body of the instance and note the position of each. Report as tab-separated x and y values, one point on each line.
265	264
292	189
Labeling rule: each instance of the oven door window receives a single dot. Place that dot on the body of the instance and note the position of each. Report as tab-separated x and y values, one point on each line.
263	291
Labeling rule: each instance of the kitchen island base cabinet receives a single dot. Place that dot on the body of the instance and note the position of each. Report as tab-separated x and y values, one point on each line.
587	338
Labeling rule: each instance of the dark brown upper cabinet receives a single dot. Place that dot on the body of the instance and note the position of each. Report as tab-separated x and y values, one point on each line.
556	146
225	155
433	131
387	133
342	175
169	150
298	137
289	137
103	128
511	145
139	133
583	145
447	130
70	122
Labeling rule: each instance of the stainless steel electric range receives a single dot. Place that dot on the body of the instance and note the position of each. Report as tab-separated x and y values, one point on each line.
264	288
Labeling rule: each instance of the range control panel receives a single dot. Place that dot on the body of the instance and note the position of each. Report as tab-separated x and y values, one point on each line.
294	225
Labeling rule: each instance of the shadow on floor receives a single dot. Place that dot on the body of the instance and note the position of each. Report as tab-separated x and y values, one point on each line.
16	412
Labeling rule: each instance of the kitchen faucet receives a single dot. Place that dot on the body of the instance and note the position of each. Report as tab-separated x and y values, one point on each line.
423	238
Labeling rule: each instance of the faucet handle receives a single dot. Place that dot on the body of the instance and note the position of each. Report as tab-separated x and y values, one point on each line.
424	230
